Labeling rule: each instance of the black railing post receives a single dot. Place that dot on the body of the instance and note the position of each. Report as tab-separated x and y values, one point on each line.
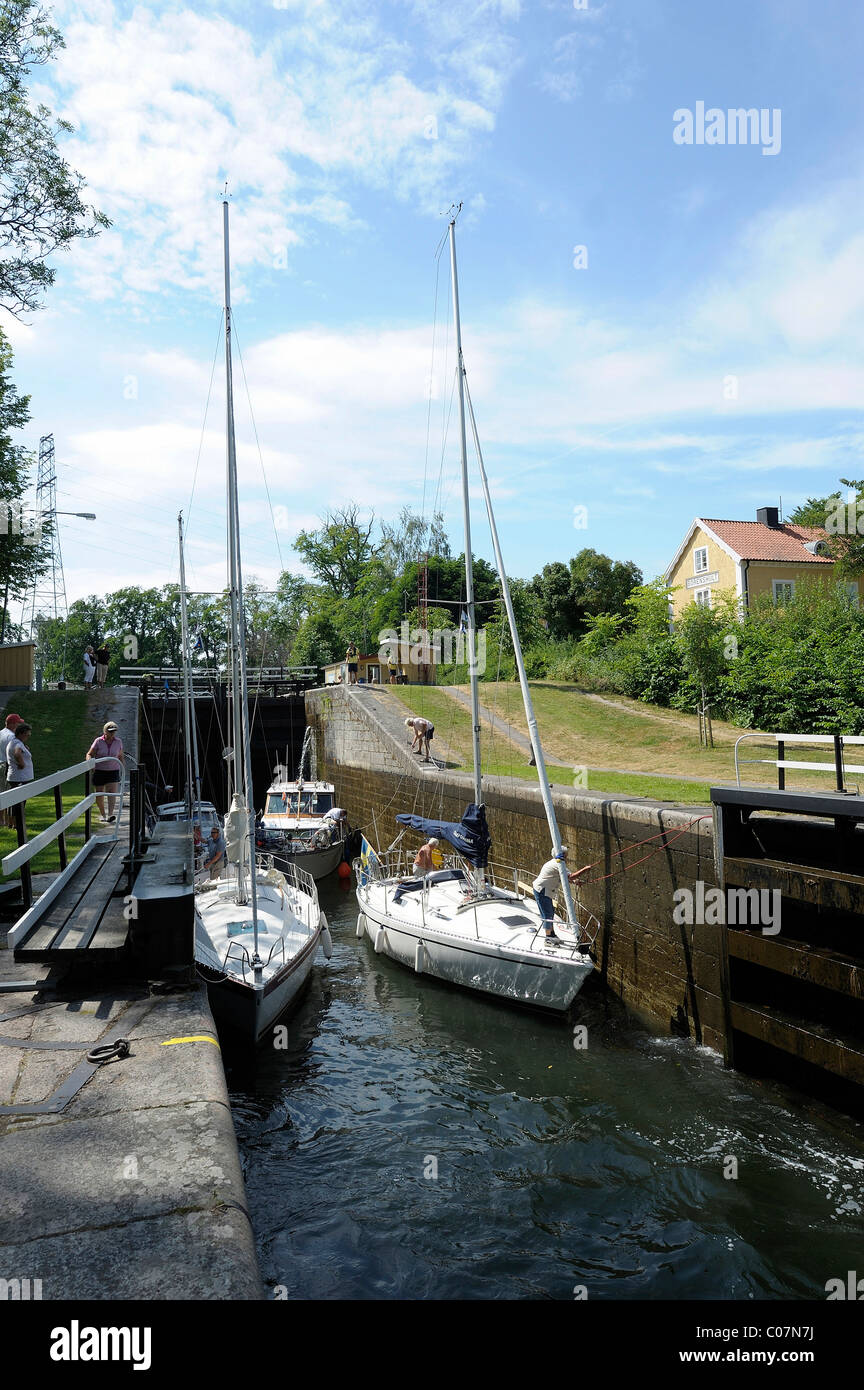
61	838
781	771
26	874
838	761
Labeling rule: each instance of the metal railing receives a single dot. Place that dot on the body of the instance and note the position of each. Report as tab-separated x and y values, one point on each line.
838	765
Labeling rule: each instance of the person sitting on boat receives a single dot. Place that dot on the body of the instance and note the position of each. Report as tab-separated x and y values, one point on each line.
424	861
545	884
215	850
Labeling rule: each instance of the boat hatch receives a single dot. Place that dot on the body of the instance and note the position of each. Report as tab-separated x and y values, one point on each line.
236	928
516	921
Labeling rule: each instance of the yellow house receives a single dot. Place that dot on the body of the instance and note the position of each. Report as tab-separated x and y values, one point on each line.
750	558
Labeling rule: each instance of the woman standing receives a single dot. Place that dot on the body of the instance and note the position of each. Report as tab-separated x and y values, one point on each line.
19	759
89	666
108	751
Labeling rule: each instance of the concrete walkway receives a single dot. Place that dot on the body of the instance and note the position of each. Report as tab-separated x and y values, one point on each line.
131	1186
134	1188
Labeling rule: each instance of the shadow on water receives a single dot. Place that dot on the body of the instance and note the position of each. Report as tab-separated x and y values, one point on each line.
412	1140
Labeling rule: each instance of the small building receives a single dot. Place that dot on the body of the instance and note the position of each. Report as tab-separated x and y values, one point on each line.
17	665
373	669
750	558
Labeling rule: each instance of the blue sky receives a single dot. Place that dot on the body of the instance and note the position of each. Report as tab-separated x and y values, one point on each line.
705	361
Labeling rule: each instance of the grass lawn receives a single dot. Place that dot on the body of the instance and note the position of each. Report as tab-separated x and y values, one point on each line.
61	736
650	750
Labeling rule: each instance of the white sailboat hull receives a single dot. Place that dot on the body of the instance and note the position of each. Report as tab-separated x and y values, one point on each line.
290	930
493	947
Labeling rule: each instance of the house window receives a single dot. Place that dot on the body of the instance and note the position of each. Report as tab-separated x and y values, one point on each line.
700	560
851	591
784	590
703	597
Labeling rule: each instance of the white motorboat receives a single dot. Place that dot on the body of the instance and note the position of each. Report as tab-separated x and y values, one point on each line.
472	923
300	824
257	929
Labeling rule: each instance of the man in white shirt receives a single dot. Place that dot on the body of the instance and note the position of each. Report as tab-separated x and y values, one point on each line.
545	884
6	737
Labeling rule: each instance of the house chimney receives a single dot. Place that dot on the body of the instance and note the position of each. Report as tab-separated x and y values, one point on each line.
769	516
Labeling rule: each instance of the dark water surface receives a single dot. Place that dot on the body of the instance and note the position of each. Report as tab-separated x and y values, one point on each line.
556	1167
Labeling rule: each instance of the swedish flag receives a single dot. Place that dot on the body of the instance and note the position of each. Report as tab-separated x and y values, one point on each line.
369	863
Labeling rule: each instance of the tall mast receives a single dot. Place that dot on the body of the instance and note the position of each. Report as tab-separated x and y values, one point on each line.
466	512
235	767
239	686
188	795
534	734
193	774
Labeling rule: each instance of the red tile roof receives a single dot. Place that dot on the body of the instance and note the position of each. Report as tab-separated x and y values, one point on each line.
752	540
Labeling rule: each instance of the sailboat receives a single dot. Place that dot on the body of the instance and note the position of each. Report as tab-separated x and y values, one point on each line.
257	929
469	922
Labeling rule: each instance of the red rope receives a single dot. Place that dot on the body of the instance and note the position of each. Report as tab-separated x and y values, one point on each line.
635	845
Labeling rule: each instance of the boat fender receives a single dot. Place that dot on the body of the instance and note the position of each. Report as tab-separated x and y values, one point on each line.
326	938
380	939
361	924
419	956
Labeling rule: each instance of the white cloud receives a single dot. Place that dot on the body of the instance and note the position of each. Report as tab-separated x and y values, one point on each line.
167	104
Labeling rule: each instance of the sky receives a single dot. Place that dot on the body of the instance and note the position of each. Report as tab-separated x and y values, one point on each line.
653	329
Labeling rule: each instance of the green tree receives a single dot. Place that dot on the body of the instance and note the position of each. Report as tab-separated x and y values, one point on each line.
591	584
41	207
339	550
22	543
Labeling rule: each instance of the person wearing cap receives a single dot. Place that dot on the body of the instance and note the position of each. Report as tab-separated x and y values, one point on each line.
215	852
108	752
423	860
545	885
6	737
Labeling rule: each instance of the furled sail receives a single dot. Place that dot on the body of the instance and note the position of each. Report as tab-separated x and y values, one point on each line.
470	835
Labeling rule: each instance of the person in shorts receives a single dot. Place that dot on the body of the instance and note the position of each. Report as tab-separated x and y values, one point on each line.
108	752
423	729
19	759
352	656
103	656
6	737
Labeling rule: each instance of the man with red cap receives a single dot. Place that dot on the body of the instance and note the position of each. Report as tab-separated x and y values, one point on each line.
6	737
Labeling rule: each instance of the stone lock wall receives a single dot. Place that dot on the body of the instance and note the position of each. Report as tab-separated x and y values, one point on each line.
667	974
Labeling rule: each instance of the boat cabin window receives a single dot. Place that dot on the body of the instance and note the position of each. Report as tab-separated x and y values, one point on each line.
302	803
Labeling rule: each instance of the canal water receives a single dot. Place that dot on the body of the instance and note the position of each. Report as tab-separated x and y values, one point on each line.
413	1141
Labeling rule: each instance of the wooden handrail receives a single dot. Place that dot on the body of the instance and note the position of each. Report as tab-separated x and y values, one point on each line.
44	784
25	852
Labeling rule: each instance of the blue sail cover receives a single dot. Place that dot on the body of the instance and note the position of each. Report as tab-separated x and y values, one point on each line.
470	835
